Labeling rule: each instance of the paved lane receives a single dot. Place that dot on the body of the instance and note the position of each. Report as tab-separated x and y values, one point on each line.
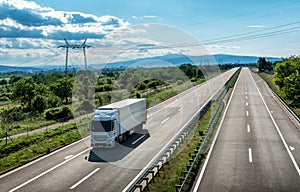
249	153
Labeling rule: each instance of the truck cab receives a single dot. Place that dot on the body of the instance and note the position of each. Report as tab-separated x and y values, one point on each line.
104	129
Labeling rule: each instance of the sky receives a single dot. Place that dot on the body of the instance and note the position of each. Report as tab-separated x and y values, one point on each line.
31	31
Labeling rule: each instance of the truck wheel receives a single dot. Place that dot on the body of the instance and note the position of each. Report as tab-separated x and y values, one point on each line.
124	136
120	138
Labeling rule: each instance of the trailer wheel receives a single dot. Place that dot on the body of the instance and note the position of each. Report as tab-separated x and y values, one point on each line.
120	138
124	136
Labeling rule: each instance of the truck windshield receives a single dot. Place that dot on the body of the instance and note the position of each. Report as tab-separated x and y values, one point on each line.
102	126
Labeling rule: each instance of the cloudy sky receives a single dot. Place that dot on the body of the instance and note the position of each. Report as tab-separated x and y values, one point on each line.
31	31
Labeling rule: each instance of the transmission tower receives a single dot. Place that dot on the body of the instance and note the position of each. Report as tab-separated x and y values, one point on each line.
74	46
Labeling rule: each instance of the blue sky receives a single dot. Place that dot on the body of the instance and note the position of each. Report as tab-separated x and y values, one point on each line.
30	31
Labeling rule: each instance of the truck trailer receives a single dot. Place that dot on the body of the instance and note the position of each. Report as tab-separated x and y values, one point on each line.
115	122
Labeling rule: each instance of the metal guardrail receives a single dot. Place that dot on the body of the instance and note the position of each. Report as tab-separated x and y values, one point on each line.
286	106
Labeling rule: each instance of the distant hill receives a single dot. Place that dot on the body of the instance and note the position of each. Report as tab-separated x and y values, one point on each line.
177	59
6	69
159	61
232	59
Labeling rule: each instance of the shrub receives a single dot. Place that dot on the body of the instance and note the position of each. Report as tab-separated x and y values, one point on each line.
4	98
59	113
14	114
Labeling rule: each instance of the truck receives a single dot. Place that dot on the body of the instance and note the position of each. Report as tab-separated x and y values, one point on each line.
115	122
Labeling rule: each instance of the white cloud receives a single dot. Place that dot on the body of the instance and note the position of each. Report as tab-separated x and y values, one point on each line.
255	26
21	18
149	17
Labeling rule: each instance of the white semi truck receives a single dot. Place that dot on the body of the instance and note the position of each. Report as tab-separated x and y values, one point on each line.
116	121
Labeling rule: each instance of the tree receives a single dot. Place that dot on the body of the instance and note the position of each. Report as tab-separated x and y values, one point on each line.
14	79
63	88
189	70
264	65
39	103
287	78
24	91
3	82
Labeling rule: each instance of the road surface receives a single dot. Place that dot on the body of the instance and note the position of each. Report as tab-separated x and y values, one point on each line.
77	168
258	146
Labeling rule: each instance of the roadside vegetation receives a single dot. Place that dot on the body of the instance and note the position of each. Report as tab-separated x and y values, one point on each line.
285	81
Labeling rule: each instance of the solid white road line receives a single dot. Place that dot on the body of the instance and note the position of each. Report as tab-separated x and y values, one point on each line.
214	141
85	178
248	128
277	128
250	155
49	170
138	139
164	121
247	113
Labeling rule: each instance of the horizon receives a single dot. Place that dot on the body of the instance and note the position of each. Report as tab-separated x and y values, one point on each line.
166	57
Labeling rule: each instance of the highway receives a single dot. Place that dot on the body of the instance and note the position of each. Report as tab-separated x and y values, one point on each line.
257	147
78	168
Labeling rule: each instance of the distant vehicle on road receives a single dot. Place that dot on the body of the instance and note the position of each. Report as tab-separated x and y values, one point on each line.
117	121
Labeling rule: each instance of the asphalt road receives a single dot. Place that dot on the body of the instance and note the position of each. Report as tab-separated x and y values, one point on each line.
78	168
258	146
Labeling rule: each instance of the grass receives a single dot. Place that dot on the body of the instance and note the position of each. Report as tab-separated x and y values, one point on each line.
269	78
162	95
21	150
173	170
24	126
4	104
233	79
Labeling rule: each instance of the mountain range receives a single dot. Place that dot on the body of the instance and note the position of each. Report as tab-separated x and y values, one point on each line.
159	61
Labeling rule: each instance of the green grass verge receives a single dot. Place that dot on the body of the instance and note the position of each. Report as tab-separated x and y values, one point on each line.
269	79
23	149
169	176
162	95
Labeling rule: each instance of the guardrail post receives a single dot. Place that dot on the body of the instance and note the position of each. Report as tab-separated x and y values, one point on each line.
152	173
178	187
139	186
181	180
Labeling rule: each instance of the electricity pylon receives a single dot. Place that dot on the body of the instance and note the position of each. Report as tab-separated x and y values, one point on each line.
74	46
